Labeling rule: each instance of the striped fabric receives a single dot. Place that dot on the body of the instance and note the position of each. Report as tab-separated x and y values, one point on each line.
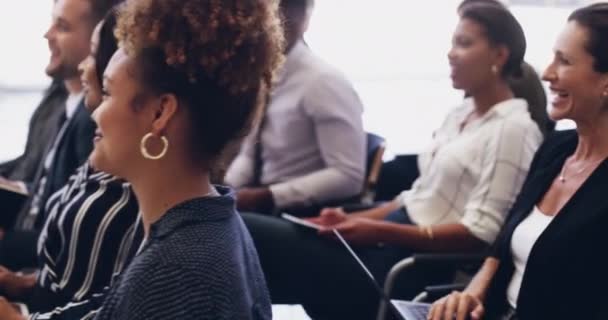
86	239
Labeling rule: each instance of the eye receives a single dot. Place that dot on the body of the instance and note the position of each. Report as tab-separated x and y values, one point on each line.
61	26
564	61
104	93
463	42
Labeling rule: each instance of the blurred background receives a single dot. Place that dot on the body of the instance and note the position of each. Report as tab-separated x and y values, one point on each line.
394	51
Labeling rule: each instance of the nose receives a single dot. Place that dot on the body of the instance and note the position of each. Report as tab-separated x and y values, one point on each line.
452	55
48	33
549	74
81	67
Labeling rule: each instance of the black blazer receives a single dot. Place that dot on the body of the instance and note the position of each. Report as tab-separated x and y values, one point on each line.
74	149
566	274
18	247
42	128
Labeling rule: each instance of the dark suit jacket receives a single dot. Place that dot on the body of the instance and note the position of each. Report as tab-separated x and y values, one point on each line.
73	150
566	274
43	126
18	248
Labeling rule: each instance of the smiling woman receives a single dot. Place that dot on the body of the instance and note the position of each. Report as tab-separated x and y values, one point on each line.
180	90
560	216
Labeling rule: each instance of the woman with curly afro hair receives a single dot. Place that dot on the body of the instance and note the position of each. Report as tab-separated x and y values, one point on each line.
184	86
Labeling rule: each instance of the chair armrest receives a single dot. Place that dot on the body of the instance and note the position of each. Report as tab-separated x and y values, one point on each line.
449	260
425	260
432	293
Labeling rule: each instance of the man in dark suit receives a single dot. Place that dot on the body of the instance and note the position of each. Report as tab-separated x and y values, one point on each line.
68	38
42	128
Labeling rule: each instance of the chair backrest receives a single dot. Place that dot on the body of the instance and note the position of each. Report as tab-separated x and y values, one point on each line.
376	145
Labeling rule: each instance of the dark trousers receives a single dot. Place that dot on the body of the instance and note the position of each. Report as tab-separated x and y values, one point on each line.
304	268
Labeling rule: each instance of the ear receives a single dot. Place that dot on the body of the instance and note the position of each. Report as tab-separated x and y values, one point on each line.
501	55
605	86
164	112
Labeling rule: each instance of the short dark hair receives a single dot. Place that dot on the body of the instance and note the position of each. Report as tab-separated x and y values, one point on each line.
99	8
595	18
490	2
304	4
501	28
217	57
107	44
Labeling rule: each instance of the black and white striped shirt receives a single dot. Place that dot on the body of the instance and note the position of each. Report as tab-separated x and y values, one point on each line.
199	263
86	239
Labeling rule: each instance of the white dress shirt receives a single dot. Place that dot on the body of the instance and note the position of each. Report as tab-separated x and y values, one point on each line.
523	239
312	141
472	176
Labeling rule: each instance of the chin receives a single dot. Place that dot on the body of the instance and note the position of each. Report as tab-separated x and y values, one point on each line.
559	113
97	161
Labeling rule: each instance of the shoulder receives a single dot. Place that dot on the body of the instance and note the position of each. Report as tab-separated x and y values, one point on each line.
558	143
317	73
206	242
513	119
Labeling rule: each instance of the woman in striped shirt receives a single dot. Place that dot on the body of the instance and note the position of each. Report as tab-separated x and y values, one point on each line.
92	221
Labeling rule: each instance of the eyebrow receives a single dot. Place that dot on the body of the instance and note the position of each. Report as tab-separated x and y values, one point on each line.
62	21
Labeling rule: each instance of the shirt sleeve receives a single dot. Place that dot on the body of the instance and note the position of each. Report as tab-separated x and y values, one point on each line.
83	310
85	240
335	108
505	165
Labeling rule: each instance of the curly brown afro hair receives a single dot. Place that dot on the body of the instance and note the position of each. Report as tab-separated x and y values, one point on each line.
217	56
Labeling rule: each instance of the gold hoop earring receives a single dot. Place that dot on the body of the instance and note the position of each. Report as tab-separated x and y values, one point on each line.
144	150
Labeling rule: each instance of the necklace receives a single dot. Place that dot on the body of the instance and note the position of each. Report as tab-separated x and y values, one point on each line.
562	174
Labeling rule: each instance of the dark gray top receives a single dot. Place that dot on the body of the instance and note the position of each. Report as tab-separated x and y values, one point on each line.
198	263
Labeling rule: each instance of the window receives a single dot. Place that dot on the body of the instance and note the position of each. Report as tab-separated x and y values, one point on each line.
394	51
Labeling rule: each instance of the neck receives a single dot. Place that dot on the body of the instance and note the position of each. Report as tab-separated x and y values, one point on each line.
490	95
170	185
73	85
592	142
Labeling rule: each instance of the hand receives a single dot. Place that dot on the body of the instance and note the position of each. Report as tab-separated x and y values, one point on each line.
362	231
9	311
14	285
255	200
329	217
457	305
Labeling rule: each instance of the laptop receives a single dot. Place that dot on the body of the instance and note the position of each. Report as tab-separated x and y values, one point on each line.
405	310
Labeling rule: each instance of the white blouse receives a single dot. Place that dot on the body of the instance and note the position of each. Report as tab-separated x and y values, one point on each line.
522	241
472	176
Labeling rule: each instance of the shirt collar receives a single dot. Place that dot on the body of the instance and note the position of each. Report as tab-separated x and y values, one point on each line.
299	49
198	210
71	104
501	109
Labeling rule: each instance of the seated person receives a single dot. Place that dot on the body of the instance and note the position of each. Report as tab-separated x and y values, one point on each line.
43	126
399	173
468	180
68	37
546	263
526	86
310	146
91	224
178	92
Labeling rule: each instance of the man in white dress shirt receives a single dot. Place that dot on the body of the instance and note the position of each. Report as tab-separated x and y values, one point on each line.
310	147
